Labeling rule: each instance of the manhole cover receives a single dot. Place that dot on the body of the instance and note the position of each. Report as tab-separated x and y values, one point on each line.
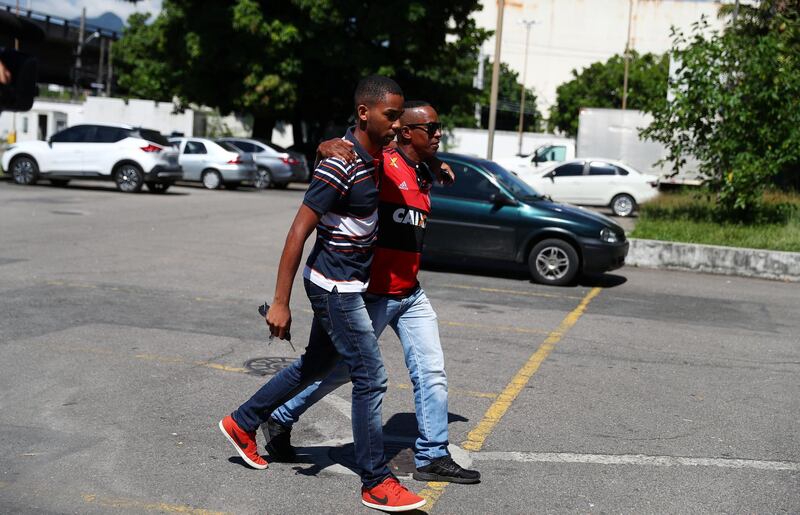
400	455
267	366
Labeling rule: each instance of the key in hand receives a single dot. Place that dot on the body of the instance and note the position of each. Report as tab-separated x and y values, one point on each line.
263	309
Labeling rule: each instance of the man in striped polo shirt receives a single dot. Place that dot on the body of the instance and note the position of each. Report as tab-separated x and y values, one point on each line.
341	203
396	299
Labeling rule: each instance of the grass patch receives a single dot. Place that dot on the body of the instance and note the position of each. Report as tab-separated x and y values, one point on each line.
690	218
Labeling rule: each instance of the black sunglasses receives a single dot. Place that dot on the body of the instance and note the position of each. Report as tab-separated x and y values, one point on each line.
430	127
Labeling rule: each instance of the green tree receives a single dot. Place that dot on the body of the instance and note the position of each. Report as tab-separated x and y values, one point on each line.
600	85
736	106
508	97
299	60
140	60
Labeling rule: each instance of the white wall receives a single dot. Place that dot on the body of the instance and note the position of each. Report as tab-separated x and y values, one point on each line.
135	112
571	34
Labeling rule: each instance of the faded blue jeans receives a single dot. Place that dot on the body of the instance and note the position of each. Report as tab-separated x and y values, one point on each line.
415	323
341	332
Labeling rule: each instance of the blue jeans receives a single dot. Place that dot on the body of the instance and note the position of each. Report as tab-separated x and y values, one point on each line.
414	321
341	332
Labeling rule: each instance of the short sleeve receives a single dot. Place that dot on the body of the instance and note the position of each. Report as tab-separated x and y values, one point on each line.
329	185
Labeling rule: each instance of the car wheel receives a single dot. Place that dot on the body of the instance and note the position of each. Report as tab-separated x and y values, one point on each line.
24	170
59	182
129	178
232	185
281	185
263	179
158	187
623	205
553	262
212	180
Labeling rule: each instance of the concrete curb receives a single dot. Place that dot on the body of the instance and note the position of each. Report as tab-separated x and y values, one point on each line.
764	264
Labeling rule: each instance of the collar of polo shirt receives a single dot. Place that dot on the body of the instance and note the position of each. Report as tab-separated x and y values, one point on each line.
362	153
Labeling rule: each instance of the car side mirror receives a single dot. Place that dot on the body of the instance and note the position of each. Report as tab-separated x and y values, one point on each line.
501	199
551	176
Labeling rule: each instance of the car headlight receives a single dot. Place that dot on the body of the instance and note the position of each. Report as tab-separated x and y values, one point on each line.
608	236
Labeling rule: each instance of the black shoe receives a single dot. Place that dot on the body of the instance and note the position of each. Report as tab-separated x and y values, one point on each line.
445	469
279	446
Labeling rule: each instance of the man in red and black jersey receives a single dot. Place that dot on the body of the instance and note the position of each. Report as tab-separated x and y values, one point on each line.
394	297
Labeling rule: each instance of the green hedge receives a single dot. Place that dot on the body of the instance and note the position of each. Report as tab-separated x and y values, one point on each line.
694	218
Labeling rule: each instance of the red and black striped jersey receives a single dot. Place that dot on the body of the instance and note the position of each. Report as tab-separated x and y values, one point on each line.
403	209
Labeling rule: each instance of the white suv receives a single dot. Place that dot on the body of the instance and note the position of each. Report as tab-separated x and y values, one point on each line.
129	156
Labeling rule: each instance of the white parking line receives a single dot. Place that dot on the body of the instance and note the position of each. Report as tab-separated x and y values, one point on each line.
634	459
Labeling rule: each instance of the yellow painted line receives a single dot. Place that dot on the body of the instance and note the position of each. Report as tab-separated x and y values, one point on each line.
513	292
181	361
122	504
476	438
224	368
457	391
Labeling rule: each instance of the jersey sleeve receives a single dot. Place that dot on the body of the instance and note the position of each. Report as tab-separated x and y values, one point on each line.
329	185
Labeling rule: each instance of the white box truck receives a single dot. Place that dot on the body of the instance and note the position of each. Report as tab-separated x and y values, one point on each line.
614	134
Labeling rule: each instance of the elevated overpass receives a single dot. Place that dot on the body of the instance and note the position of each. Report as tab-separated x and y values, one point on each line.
58	51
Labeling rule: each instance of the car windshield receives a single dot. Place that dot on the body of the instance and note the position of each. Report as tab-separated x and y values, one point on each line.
227	146
511	182
154	136
276	148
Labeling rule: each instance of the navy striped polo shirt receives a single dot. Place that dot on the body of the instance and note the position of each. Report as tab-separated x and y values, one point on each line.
346	197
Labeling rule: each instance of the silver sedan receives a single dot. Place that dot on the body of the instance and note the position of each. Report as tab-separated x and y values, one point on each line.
277	166
214	163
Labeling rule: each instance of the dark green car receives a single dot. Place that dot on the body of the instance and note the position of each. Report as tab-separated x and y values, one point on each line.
491	216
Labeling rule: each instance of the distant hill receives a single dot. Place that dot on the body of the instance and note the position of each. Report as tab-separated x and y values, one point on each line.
108	20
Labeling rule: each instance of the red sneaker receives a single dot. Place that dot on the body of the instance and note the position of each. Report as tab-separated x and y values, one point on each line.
390	495
244	442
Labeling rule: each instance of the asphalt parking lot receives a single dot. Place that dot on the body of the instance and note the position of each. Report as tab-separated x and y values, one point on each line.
129	329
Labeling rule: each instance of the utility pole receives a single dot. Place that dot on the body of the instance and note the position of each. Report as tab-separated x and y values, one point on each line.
110	68
478	84
100	66
78	55
13	135
627	57
498	35
528	24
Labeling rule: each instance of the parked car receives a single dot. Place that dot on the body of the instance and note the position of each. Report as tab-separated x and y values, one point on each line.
595	182
277	166
543	157
214	163
490	215
129	156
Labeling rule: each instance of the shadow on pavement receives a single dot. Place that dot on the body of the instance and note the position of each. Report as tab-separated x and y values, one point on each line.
521	273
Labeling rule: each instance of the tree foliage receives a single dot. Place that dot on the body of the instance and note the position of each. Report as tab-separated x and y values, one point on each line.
601	85
299	60
508	97
736	105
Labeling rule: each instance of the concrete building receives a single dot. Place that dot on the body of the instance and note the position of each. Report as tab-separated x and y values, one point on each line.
48	116
572	34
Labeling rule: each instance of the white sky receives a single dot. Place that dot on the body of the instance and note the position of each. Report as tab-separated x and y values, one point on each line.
72	8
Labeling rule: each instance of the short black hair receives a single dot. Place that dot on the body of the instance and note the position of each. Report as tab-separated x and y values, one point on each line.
374	88
412	104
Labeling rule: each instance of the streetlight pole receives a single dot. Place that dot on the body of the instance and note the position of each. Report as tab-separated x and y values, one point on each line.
528	24
498	36
627	57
